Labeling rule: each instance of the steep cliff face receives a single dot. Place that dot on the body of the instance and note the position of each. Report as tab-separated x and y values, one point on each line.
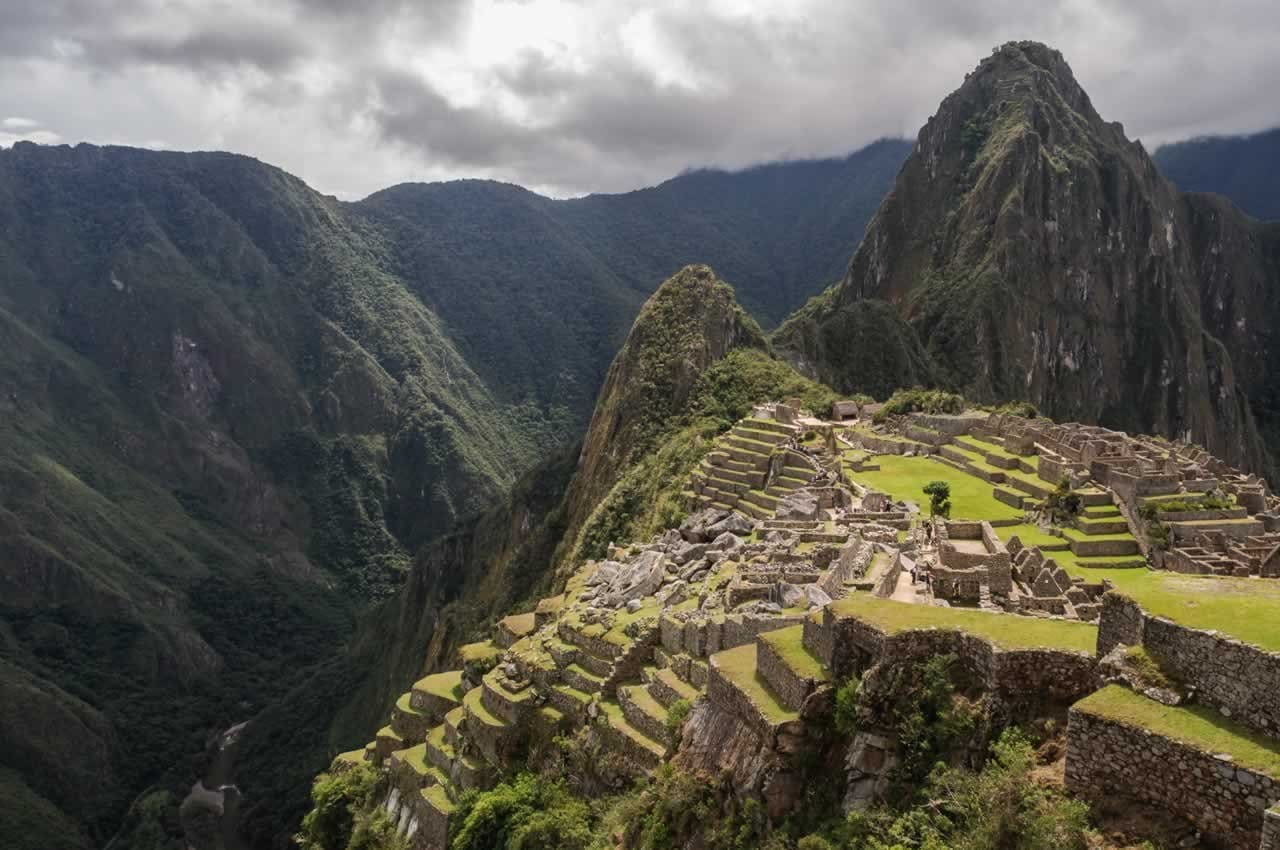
691	322
458	585
1036	253
504	558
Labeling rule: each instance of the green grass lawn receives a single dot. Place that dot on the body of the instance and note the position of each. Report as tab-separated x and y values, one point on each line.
447	685
972	443
739	666
1008	631
788	643
520	624
1201	727
485	650
1030	535
1246	609
476	709
904	478
1077	534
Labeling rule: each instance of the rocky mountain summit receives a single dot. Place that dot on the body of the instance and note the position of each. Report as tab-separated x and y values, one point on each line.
1032	252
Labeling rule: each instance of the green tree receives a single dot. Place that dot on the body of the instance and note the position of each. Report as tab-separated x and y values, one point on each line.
939	493
677	714
527	813
339	800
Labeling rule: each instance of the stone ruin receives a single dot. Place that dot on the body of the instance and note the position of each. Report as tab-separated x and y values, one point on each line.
738	612
973	564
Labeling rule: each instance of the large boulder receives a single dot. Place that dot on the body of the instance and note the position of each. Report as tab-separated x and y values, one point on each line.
673	594
817	596
798	505
686	552
605	573
790	595
695	527
639	578
734	523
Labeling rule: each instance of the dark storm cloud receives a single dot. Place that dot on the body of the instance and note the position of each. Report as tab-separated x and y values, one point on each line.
604	95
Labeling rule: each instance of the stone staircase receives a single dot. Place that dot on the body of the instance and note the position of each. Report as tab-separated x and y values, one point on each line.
1103	532
751	469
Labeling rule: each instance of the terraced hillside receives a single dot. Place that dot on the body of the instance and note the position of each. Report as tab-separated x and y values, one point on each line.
717	646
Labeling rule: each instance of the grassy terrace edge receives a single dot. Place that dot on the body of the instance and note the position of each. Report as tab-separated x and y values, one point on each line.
1004	631
1196	726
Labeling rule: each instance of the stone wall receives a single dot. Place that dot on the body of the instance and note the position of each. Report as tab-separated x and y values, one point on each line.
922	434
886	445
1121	622
1021	680
1129	488
1086	547
888	581
851	563
1237	678
1052	469
960	572
704	636
1235	529
1271	830
790	687
1226	802
950	424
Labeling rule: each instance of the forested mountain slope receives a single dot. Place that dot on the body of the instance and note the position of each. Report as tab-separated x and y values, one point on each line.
232	410
1245	169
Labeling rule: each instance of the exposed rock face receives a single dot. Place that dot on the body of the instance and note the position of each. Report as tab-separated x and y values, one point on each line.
1036	253
691	322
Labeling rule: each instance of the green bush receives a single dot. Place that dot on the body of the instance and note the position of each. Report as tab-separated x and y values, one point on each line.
344	815
1158	535
813	842
846	707
920	400
526	813
677	714
998	808
1063	504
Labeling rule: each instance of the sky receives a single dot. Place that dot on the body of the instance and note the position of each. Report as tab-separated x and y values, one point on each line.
568	97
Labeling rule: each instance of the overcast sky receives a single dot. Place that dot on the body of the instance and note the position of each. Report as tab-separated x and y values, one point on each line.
595	95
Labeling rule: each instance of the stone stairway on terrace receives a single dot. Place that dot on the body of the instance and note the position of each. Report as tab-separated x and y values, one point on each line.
1102	536
751	468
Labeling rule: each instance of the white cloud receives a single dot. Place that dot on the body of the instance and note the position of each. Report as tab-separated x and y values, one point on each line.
567	97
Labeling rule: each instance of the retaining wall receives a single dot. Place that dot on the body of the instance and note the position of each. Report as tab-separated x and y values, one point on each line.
1226	673
1271	830
1105	757
1023	680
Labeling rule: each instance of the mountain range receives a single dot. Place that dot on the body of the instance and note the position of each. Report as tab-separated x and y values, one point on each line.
234	411
1243	168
